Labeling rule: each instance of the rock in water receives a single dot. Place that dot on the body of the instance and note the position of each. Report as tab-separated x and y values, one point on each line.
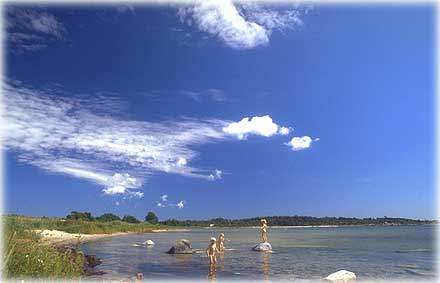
341	276
181	247
262	247
148	243
92	260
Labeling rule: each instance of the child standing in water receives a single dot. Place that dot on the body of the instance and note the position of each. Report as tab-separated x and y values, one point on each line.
264	230
211	251
221	242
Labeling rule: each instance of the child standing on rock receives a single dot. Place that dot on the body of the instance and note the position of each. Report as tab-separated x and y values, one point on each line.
264	230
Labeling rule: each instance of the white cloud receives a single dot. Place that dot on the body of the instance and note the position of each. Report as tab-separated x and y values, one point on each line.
240	27
31	29
211	93
284	131
181	162
262	126
164	198
160	204
300	143
78	136
119	183
217	175
125	8
114	190
82	136
180	204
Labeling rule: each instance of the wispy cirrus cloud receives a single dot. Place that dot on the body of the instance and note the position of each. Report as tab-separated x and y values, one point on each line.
66	135
124	8
31	29
238	26
87	137
211	94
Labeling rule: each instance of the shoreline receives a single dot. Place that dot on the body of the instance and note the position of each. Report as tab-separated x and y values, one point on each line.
57	237
61	238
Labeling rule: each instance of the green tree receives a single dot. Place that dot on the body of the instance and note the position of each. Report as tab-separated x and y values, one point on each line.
152	218
130	219
108	217
75	215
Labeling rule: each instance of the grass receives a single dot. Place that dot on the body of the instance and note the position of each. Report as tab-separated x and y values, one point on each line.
77	226
25	257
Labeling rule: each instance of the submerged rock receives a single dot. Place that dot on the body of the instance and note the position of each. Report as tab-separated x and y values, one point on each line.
92	260
181	247
148	243
341	276
263	247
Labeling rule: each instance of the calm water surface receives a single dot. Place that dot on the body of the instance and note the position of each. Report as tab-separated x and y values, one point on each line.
300	254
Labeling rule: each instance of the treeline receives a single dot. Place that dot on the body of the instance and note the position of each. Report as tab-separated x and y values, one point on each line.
296	221
108	217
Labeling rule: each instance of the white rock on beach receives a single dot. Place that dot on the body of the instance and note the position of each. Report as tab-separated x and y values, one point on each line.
341	276
263	247
148	243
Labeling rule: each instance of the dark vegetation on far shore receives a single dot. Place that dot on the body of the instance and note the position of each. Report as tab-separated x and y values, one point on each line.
296	221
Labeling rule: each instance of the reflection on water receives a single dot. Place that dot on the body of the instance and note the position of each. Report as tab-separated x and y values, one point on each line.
211	272
384	253
265	266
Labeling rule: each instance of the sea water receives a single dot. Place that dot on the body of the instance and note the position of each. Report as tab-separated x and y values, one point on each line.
299	254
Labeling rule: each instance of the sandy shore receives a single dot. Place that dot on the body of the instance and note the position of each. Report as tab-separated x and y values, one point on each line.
63	238
170	230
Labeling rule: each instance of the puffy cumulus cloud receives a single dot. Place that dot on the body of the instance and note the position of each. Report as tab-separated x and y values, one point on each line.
159	204
300	143
120	183
262	126
284	131
238	26
180	204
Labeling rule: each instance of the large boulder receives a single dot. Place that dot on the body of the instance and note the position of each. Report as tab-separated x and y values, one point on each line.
148	243
263	247
341	276
181	247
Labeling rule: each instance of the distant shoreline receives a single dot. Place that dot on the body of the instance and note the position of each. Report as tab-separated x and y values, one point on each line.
56	237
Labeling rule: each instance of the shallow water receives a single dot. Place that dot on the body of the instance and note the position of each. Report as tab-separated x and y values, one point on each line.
372	252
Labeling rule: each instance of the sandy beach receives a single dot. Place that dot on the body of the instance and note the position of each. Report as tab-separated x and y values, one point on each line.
63	238
57	237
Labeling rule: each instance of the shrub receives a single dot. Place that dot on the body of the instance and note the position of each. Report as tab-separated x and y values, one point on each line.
152	218
130	219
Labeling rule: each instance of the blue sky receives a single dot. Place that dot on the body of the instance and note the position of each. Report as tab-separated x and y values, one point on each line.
213	110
